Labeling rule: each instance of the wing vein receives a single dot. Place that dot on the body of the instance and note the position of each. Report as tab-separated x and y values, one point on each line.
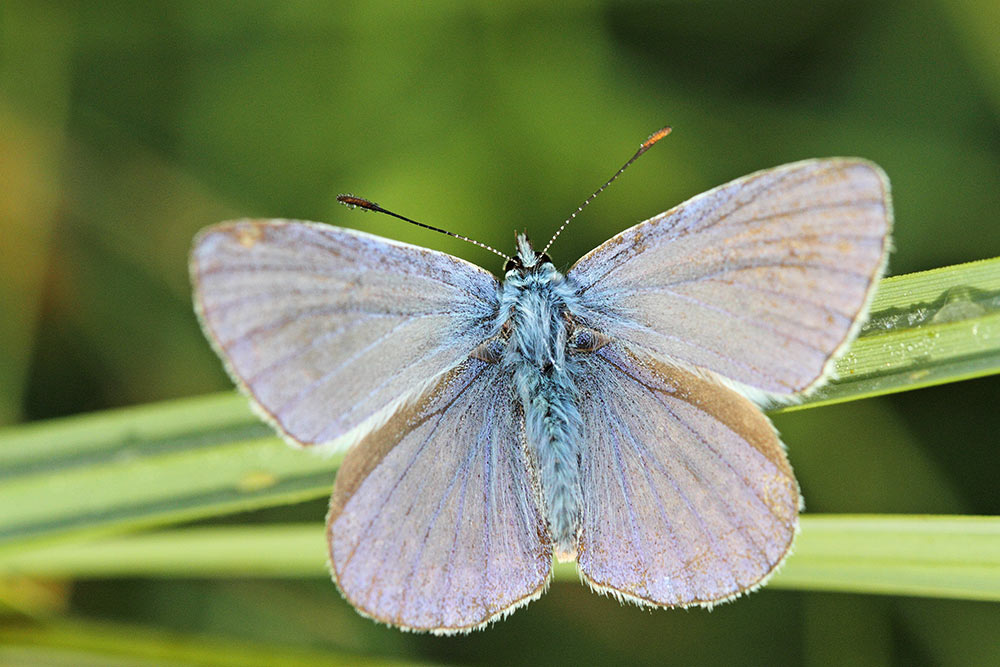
641	450
678	233
419	450
299	315
753	322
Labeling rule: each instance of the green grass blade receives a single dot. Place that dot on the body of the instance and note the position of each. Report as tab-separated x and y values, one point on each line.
933	556
170	462
87	643
145	466
924	329
270	550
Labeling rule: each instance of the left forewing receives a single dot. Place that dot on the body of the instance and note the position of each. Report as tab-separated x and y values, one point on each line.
330	330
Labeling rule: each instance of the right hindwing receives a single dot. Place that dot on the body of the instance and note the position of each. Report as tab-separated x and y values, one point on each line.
687	495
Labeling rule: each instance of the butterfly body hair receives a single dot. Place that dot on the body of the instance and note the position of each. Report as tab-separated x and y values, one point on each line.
536	301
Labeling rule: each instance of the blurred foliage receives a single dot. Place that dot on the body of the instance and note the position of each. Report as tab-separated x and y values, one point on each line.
126	127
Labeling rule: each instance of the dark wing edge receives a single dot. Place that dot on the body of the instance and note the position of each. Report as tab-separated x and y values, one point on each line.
411	486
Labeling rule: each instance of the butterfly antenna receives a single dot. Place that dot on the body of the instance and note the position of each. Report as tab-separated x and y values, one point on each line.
646	145
350	201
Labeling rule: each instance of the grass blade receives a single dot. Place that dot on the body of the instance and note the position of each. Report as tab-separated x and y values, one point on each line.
933	556
924	329
930	556
146	466
89	643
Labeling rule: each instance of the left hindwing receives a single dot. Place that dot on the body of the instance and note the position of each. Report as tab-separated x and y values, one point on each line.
434	522
687	495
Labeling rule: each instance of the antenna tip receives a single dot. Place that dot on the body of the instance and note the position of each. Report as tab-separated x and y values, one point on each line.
654	137
350	201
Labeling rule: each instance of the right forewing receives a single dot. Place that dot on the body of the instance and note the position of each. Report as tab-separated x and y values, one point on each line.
328	329
434	522
763	280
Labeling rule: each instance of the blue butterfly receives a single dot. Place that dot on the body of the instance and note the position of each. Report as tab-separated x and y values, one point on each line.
608	415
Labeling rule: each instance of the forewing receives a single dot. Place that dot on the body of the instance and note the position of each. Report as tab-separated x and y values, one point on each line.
763	280
328	329
434	522
687	495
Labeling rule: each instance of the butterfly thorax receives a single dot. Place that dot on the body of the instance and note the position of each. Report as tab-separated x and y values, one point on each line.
536	304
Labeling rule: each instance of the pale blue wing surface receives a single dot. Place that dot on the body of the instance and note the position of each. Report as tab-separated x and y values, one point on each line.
688	497
434	522
762	280
329	329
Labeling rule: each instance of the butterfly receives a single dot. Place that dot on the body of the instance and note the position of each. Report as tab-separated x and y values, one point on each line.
608	415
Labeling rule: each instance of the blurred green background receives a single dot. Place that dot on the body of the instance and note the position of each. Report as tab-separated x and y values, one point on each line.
126	127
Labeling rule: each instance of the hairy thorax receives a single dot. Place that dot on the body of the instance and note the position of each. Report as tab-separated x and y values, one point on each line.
537	304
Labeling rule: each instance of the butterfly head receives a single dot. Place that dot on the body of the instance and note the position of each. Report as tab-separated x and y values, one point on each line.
527	258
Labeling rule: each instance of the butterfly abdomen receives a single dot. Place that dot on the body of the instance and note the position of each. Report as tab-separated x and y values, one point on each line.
535	300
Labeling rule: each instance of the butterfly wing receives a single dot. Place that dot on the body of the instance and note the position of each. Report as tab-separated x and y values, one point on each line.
687	495
434	522
328	330
762	280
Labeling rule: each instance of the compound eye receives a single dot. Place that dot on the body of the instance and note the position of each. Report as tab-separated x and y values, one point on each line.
586	340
